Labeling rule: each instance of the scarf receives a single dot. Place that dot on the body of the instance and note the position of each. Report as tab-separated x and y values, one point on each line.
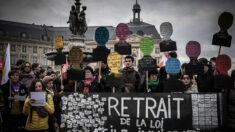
15	87
87	84
152	83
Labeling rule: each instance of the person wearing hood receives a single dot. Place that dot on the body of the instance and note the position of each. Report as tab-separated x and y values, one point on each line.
154	84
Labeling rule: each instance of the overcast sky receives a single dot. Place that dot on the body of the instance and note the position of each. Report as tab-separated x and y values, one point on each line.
191	19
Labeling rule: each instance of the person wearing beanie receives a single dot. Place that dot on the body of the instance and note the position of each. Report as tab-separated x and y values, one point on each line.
154	84
89	84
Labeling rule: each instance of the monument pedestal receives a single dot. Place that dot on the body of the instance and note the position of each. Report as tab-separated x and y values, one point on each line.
76	40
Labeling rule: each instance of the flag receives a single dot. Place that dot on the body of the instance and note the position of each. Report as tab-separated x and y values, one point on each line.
2	61
163	60
7	66
64	69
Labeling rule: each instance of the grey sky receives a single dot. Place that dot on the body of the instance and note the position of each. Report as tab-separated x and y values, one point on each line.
191	19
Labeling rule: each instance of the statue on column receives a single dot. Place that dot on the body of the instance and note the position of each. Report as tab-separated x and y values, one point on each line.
77	19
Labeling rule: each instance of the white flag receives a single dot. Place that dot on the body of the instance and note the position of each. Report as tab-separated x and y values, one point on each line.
7	66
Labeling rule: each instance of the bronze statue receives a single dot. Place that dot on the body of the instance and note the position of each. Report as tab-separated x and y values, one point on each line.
77	19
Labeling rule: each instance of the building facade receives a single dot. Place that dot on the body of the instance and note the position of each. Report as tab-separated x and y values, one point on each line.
31	42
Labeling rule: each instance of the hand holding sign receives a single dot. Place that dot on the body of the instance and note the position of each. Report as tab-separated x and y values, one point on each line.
122	47
173	66
223	64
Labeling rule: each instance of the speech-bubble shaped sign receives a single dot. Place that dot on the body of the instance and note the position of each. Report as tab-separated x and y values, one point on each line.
146	46
122	32
58	42
225	20
172	66
223	64
114	61
101	36
76	57
166	30
193	49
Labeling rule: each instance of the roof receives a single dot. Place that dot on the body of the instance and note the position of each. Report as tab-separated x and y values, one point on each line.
15	29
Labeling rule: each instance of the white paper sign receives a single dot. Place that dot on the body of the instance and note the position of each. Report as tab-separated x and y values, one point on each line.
20	98
40	98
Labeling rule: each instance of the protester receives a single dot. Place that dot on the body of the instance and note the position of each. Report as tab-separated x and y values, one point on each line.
36	70
37	119
131	76
26	75
205	81
154	84
89	84
49	70
190	85
48	82
19	63
231	105
105	70
13	119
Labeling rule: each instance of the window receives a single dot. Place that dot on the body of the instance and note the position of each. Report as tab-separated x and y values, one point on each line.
1	47
35	49
44	50
23	35
44	37
13	48
88	49
24	57
24	49
157	50
2	32
44	61
35	59
13	59
157	60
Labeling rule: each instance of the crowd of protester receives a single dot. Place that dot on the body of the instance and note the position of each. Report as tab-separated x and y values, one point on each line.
19	116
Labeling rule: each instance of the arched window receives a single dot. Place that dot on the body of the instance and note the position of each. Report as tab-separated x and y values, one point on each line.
23	35
141	33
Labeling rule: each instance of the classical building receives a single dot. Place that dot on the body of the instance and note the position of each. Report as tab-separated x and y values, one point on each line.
31	42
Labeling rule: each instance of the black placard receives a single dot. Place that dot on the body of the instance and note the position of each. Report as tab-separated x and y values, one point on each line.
147	63
194	68
168	45
74	74
123	48
110	112
60	59
222	39
223	82
173	85
100	53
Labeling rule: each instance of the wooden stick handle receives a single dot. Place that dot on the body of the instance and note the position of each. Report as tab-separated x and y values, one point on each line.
147	86
113	90
99	72
219	50
61	79
76	83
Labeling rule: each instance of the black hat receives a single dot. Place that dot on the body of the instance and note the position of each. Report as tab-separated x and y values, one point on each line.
90	69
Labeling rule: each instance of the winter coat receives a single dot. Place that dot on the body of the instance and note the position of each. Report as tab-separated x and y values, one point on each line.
205	82
231	109
27	78
38	123
131	80
6	93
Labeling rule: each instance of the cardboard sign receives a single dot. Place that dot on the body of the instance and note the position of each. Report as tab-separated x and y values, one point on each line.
146	46
100	53
123	48
117	112
58	42
76	57
73	74
114	62
147	63
166	30
60	59
172	66
168	45
101	36
223	64
194	69
193	49
222	38
122	32
173	85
